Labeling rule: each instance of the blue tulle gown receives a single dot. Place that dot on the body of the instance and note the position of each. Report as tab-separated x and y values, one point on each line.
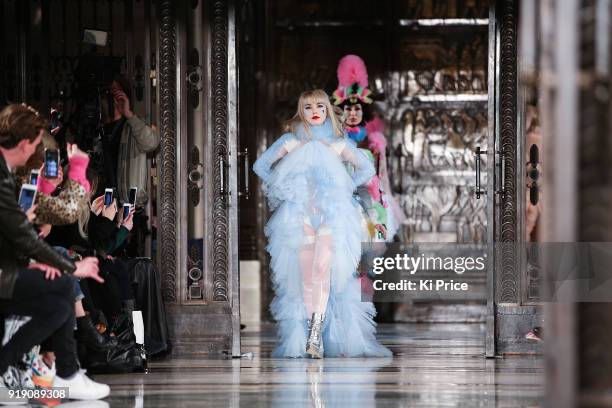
305	179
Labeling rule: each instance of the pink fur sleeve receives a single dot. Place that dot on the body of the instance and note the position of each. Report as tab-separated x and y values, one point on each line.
45	186
77	170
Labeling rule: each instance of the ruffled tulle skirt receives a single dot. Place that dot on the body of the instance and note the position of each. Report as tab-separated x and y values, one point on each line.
313	179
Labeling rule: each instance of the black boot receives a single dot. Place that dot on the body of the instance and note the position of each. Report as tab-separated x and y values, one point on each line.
88	335
127	306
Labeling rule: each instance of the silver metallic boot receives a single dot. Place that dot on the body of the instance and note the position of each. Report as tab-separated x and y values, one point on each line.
314	345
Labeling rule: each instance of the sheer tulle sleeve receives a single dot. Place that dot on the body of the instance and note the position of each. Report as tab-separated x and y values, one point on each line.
263	165
364	169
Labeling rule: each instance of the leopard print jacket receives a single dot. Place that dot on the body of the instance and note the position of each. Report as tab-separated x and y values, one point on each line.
62	209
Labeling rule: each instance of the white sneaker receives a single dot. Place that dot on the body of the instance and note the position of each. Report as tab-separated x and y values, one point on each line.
82	387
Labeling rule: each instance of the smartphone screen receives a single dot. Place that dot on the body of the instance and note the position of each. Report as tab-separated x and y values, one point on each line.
26	196
126	210
34	177
132	198
108	197
51	163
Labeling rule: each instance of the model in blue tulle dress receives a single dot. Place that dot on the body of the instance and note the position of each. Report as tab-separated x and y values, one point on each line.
314	239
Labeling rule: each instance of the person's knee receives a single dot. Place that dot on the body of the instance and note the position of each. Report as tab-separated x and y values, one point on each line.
55	306
64	286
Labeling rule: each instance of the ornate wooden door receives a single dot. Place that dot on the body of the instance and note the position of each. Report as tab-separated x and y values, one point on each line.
198	226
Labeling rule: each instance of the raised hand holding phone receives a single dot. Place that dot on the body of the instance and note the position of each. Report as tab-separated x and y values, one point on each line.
27	196
52	163
132	196
97	205
128	222
54	181
31	213
110	211
126	210
108	197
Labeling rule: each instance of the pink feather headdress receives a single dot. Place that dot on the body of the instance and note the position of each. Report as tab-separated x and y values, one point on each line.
352	81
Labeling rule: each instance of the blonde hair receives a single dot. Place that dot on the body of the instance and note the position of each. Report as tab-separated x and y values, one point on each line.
84	211
313	96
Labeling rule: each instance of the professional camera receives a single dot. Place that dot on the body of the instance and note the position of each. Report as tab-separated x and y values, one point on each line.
93	78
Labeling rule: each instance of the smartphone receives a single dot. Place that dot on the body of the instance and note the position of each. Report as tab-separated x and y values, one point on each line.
126	210
27	195
34	177
132	197
52	162
108	197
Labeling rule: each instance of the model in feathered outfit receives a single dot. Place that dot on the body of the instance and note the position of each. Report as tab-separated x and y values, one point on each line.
382	211
315	236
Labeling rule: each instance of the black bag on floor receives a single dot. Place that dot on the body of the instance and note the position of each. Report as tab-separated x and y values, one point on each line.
126	357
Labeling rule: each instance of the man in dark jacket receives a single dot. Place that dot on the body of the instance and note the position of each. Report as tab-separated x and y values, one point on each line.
42	289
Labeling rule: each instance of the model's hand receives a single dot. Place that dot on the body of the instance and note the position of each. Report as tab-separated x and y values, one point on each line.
88	268
382	229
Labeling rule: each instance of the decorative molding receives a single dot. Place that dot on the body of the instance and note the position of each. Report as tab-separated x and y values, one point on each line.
219	86
168	127
508	282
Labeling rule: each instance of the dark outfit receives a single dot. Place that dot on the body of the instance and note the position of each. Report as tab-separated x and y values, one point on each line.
110	143
103	238
26	292
136	279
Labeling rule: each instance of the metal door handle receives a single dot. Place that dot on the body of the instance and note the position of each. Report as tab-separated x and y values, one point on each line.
245	154
502	172
478	191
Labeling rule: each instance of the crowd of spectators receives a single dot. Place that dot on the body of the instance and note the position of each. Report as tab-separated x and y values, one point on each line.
75	297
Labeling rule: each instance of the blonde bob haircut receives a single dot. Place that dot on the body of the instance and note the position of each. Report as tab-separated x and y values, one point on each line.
313	97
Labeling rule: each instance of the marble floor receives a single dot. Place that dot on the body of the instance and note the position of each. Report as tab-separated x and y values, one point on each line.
434	365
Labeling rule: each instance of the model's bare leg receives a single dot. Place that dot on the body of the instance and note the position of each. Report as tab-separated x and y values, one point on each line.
321	278
306	265
321	283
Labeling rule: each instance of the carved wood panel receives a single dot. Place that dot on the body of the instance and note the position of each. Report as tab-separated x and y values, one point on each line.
219	78
508	274
168	128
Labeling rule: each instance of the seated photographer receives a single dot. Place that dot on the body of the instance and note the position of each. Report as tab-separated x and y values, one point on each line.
126	142
43	289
